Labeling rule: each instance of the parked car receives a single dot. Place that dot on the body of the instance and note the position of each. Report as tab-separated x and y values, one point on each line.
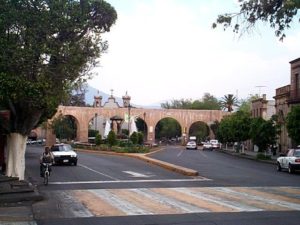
291	161
64	153
191	145
207	146
215	144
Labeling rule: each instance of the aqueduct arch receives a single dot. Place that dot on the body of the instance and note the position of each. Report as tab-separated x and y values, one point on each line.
150	116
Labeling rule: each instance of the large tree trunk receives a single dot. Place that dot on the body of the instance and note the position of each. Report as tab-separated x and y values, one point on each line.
15	161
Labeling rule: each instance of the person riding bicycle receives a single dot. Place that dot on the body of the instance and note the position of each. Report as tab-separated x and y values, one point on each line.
47	157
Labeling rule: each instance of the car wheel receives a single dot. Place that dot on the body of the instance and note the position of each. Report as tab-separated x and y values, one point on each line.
290	169
278	167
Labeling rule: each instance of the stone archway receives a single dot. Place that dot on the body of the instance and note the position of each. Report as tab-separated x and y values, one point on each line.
151	117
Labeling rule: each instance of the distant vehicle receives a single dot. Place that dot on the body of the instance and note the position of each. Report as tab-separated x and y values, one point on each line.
215	144
291	161
191	145
64	153
207	146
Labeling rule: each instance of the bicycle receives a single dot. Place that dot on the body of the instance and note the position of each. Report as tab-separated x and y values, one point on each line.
46	172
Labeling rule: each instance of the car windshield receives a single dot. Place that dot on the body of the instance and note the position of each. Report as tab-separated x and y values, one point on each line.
62	148
297	153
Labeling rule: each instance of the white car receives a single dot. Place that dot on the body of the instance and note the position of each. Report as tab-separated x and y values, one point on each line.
207	146
215	144
191	145
64	153
291	161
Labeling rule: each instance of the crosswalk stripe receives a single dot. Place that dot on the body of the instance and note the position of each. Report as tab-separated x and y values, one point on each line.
181	200
210	195
253	200
271	198
201	201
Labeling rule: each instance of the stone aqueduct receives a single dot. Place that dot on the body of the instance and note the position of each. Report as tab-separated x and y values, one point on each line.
83	115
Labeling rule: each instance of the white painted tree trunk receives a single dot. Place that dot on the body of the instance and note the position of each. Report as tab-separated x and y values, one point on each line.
15	160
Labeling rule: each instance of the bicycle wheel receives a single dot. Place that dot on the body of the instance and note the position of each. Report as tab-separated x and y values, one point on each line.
46	177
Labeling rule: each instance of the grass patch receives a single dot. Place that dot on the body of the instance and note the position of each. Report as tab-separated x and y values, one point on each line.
262	156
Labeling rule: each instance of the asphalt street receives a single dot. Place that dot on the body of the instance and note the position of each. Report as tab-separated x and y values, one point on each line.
105	189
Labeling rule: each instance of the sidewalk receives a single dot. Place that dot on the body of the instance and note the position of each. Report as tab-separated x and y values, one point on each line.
16	198
249	155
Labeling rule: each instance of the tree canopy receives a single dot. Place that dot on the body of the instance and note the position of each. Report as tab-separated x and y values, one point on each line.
46	46
278	14
228	102
293	124
208	102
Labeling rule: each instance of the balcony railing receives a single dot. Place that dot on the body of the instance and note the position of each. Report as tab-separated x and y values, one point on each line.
294	96
283	90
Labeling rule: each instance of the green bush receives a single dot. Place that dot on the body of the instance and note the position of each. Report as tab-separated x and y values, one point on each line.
262	156
98	139
140	138
111	138
134	138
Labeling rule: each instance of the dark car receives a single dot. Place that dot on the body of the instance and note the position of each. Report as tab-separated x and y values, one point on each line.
64	154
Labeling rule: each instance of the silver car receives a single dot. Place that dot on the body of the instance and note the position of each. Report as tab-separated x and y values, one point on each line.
191	145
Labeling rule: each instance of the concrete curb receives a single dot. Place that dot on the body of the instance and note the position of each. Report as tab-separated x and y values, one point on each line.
245	156
169	166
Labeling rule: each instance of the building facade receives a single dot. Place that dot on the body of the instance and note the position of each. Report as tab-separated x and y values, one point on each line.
286	97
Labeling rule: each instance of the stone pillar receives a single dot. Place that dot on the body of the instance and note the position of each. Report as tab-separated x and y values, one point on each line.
50	136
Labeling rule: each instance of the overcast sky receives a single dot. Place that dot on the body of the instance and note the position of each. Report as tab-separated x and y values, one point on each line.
166	49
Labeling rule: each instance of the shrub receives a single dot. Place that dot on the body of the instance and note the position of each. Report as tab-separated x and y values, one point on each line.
98	139
111	138
140	138
134	138
262	156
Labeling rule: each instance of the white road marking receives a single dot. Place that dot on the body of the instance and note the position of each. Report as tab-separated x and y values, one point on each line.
204	155
130	181
220	201
179	154
95	171
135	174
258	198
183	206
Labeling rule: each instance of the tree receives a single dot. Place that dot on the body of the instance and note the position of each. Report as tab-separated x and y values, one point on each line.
228	102
46	47
278	14
98	139
64	127
111	138
76	96
234	128
245	104
200	130
167	128
208	102
263	133
293	124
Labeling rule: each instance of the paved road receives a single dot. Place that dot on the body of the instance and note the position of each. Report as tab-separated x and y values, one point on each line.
119	190
228	170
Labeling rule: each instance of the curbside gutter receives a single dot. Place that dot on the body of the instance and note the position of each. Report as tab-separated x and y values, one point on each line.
169	166
245	156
